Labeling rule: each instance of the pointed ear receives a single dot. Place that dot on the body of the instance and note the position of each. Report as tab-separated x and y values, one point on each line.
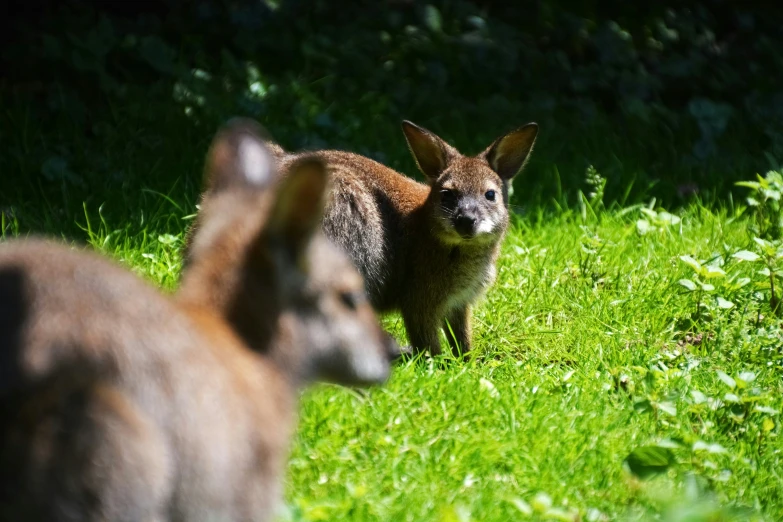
299	204
431	153
239	156
507	155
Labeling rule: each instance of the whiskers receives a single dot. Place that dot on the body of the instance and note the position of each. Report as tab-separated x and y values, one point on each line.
517	209
449	212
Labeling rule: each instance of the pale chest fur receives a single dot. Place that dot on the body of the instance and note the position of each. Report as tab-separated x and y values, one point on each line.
473	287
463	278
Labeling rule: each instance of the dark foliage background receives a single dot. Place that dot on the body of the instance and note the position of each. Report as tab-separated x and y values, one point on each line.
105	100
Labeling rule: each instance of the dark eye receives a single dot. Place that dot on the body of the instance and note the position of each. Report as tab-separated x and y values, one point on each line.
448	198
490	195
351	299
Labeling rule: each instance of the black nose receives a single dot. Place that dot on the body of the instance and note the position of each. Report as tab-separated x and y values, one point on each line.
464	223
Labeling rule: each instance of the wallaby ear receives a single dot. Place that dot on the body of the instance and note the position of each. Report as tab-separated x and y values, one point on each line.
298	208
507	155
430	152
239	156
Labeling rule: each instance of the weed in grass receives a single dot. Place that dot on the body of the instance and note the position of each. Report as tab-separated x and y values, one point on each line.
574	378
764	201
595	366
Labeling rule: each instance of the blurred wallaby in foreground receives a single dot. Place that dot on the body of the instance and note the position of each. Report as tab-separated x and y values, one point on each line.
428	251
120	403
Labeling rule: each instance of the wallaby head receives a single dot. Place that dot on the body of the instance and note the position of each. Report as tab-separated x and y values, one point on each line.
258	257
469	195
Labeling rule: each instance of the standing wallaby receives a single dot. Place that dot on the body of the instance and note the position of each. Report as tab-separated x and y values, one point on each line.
119	403
428	251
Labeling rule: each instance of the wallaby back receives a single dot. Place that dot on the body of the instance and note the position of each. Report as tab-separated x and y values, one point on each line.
124	404
427	250
327	289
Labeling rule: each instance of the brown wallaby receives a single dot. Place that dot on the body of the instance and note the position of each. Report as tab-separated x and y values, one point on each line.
120	403
428	251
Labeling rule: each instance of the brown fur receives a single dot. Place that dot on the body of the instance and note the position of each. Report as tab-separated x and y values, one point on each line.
120	403
422	251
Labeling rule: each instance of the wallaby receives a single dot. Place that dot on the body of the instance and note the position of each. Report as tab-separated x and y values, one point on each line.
121	403
426	250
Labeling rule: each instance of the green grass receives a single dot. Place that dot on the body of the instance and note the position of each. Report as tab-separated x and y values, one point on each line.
577	367
587	349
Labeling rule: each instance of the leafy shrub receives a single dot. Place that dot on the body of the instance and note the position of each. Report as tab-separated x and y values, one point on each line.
671	100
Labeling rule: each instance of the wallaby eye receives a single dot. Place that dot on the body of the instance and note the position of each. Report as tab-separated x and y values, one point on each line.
351	300
490	195
448	198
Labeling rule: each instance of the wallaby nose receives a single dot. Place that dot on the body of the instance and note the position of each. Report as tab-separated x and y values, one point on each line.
464	223
393	349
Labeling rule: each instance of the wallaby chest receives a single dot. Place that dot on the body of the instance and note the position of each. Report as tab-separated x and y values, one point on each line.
445	277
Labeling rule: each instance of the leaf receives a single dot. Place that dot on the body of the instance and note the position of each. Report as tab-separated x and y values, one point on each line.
766	247
746	255
772	194
320	512
167	239
745	378
668	407
648	461
594	515
561	514
158	54
541	502
487	385
642	406
722	303
767	424
643	226
667	218
712	272
698	397
728	381
522	506
432	18
455	513
628	210
687	283
709	448
668	443
695	265
763	243
707	287
766	409
649	213
731	397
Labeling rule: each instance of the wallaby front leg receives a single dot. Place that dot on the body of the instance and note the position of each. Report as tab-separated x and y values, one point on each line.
458	330
422	334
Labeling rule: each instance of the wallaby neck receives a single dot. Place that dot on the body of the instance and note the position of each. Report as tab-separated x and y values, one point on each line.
226	293
243	307
274	352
